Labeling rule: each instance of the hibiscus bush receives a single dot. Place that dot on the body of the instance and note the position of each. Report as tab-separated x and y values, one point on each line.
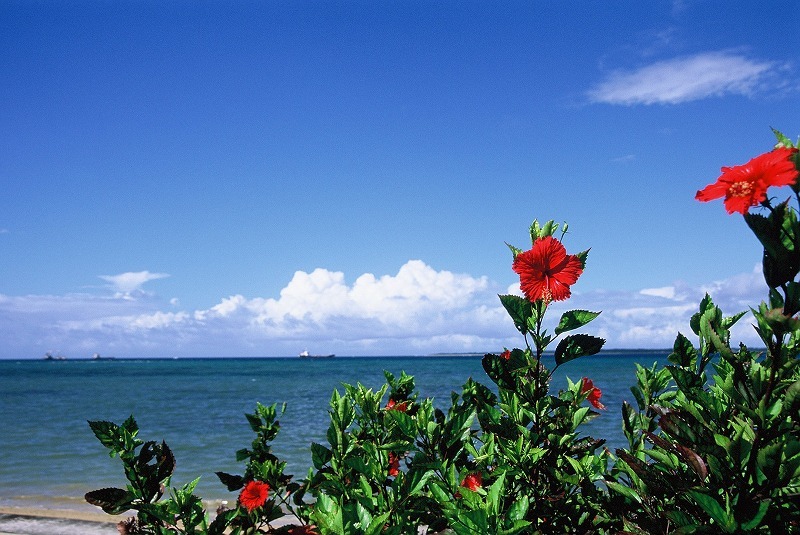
721	453
263	489
713	436
503	459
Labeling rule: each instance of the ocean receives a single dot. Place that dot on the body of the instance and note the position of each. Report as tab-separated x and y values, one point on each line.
49	457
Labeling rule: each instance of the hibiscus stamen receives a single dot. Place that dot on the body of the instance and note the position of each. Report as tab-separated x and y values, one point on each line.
741	189
547	295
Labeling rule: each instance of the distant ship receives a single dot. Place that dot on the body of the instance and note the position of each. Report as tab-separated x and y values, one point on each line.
306	355
49	356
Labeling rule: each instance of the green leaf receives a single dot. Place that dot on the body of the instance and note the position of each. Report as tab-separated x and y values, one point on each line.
792	304
327	514
519	309
364	518
320	455
113	436
673	423
582	256
415	481
754	522
629	418
519	526
404	422
791	400
685	379
440	494
781	261
476	521
358	464
625	491
106	432
694	321
683	352
254	421
574	319
222	521
112	500
538	231
495	491
514	250
242	454
695	462
343	411
165	460
576	346
457	428
377	524
498	371
783	141
713	508
778	270
682	521
764	231
519	508
232	482
579	416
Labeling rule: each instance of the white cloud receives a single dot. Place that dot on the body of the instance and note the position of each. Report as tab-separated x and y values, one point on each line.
416	303
685	79
652	317
131	282
418	310
667	292
417	289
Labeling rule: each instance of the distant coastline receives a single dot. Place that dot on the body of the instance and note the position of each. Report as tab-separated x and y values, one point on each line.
441	354
550	353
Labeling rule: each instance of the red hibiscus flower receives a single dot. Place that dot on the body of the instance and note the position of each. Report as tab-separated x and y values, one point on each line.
505	355
546	271
254	495
594	393
746	185
473	481
394	464
392	405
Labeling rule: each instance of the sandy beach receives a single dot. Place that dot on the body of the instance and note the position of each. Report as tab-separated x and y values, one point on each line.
39	521
36	521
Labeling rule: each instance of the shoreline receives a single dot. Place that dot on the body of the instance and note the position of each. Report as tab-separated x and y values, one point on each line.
19	520
61	514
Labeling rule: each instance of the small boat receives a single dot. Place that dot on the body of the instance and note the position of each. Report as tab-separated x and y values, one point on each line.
306	355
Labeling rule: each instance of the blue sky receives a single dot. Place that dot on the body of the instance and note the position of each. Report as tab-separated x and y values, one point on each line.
257	178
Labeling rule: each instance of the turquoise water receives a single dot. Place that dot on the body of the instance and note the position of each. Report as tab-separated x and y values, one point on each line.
49	455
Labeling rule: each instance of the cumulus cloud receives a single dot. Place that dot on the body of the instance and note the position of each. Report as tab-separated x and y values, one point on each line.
684	79
416	303
131	282
418	310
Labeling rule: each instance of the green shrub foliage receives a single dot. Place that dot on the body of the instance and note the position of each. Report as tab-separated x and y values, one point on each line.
713	437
